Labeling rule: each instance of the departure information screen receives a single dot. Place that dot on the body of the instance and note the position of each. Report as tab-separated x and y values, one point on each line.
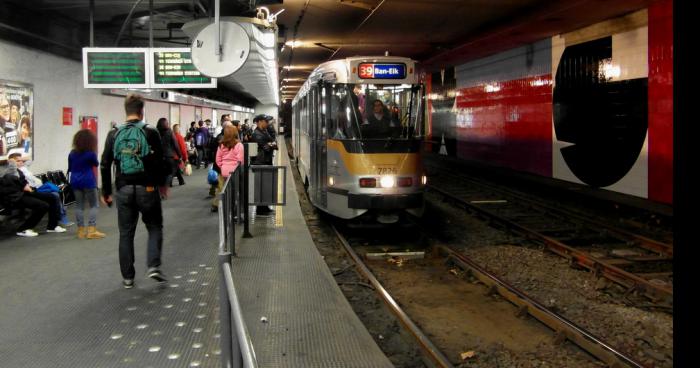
173	68
115	68
381	71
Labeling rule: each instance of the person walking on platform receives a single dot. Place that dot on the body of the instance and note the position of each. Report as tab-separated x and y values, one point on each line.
266	148
215	189
82	166
183	149
201	139
171	149
137	153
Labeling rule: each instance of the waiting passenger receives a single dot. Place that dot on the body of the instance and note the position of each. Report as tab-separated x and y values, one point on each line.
228	156
215	189
266	148
16	192
82	166
39	186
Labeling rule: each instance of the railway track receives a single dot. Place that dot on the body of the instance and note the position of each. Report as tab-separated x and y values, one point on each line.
640	264
562	328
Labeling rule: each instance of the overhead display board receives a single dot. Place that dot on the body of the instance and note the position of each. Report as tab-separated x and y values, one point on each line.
115	67
173	68
382	71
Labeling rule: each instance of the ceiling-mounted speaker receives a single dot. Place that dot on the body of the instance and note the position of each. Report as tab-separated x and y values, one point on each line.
235	45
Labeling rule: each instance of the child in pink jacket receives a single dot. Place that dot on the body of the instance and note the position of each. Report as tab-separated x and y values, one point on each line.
228	156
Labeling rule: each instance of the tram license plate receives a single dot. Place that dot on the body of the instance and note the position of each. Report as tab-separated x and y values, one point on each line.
387	171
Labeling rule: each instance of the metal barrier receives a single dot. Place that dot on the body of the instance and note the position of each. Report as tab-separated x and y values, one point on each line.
236	347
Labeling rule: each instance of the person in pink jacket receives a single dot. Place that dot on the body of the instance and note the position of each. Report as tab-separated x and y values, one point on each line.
228	156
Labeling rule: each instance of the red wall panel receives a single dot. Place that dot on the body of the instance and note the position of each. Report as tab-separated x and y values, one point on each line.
661	101
508	124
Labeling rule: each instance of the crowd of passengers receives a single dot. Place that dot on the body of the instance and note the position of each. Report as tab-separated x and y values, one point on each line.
145	160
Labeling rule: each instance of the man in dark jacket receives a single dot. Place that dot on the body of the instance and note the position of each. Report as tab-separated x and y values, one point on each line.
137	192
266	148
16	192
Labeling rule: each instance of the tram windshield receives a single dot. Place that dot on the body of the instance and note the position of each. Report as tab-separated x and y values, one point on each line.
375	111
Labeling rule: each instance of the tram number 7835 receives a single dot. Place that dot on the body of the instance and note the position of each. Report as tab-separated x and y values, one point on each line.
387	171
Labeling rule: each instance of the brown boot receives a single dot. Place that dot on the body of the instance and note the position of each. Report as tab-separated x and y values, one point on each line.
92	233
82	232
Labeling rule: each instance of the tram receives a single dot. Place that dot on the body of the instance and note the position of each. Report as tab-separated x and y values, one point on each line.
357	133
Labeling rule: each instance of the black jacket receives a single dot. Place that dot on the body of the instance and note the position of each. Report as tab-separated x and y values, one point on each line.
170	147
263	139
214	147
11	188
156	168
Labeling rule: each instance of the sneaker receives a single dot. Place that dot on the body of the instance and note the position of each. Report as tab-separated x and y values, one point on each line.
155	274
56	229
214	209
128	283
29	233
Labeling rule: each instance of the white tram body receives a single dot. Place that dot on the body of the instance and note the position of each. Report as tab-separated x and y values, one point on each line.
357	133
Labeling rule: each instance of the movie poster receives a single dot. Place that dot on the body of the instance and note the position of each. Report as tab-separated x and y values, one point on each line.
16	115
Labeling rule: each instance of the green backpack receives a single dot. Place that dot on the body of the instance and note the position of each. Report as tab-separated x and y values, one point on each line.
130	147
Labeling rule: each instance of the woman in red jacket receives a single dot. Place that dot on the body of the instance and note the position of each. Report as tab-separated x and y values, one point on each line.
228	156
183	148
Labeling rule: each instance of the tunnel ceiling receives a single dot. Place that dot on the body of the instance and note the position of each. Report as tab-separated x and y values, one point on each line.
435	32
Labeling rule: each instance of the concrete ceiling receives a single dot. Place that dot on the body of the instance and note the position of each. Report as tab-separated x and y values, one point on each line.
436	32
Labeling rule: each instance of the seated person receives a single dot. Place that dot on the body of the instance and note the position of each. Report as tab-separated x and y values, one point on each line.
36	184
377	124
17	193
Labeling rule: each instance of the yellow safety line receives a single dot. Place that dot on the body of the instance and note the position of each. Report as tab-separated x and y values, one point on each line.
279	215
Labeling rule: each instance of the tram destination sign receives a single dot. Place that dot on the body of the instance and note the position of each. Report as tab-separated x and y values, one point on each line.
173	68
382	70
115	68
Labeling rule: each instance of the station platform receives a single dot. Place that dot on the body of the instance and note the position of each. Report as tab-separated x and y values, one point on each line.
280	275
63	304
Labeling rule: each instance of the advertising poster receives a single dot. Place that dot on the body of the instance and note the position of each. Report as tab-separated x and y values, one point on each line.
16	120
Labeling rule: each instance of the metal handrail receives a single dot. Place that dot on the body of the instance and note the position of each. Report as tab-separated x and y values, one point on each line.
236	347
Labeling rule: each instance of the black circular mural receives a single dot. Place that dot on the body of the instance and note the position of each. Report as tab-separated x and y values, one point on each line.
605	121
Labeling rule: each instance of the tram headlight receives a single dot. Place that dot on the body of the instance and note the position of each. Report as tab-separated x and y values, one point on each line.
331	181
387	181
424	179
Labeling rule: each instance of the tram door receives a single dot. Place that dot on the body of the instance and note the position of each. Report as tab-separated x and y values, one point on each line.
318	151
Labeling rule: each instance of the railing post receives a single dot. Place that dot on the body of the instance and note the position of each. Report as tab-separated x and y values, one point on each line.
246	189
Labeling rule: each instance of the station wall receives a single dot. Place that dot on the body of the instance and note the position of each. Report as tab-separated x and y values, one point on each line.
58	83
593	106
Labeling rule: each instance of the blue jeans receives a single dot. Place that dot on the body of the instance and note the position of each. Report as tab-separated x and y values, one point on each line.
89	196
132	200
62	209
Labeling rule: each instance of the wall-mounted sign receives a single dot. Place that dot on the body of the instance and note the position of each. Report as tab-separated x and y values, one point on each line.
381	71
115	67
173	68
16	117
67	116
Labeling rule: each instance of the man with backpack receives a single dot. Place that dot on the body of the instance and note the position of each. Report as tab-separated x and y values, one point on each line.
137	153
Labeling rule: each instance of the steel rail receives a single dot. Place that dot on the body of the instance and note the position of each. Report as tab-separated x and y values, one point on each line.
244	341
431	350
643	242
600	267
576	334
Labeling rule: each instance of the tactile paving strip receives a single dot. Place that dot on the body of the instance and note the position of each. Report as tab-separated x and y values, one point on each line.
280	275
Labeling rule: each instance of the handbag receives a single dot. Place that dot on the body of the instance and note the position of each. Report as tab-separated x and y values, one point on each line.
188	169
